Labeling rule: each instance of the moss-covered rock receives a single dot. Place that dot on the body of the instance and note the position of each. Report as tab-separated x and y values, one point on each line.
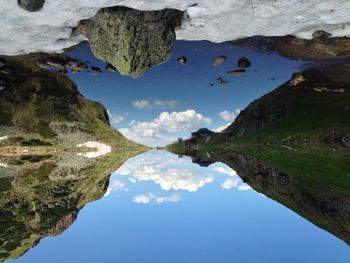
133	40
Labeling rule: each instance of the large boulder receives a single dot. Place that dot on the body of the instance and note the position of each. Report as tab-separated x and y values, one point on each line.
31	5
133	40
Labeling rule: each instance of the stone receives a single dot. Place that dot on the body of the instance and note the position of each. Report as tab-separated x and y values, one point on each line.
321	34
218	60
2	62
339	90
236	73
31	5
96	70
131	40
221	80
182	60
297	79
111	68
243	62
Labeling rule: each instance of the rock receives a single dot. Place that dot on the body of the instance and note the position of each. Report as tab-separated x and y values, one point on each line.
182	60
2	88
96	70
321	34
131	40
2	62
338	90
221	80
243	62
56	64
320	89
31	5
218	60
296	79
236	73
111	68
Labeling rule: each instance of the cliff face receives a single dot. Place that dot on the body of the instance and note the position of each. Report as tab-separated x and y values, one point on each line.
133	40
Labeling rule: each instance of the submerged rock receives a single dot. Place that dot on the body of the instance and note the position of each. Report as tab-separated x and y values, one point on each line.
31	5
220	80
218	60
182	60
111	68
131	40
96	70
243	62
236	73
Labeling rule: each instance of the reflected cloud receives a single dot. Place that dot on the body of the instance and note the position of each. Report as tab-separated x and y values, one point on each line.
225	170
115	186
230	183
151	198
161	170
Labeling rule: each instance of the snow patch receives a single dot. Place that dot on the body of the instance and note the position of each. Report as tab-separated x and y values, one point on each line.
100	149
49	30
3	165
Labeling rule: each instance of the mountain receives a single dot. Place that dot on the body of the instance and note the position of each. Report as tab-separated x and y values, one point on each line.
45	178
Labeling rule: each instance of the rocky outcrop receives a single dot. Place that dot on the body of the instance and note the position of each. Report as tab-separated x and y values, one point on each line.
321	47
31	5
133	40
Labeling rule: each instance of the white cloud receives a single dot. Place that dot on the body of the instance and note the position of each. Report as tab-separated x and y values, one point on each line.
156	131
225	170
229	183
166	103
221	128
161	171
115	186
115	118
152	198
146	104
229	116
141	104
244	187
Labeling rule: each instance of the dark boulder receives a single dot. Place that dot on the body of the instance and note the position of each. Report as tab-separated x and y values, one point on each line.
31	5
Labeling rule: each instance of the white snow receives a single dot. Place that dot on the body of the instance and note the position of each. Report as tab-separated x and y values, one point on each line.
3	164
101	149
216	20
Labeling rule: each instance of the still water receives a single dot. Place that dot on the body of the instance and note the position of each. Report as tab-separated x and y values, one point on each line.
162	208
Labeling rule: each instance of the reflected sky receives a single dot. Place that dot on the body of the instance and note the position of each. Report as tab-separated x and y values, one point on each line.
172	100
161	208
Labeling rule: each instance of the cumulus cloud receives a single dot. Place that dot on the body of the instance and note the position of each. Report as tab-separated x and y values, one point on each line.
229	183
146	104
115	186
115	118
162	172
157	131
141	104
233	182
166	103
229	116
151	198
225	170
221	128
244	187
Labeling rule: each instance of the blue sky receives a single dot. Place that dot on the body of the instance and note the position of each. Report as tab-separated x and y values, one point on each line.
182	91
161	208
